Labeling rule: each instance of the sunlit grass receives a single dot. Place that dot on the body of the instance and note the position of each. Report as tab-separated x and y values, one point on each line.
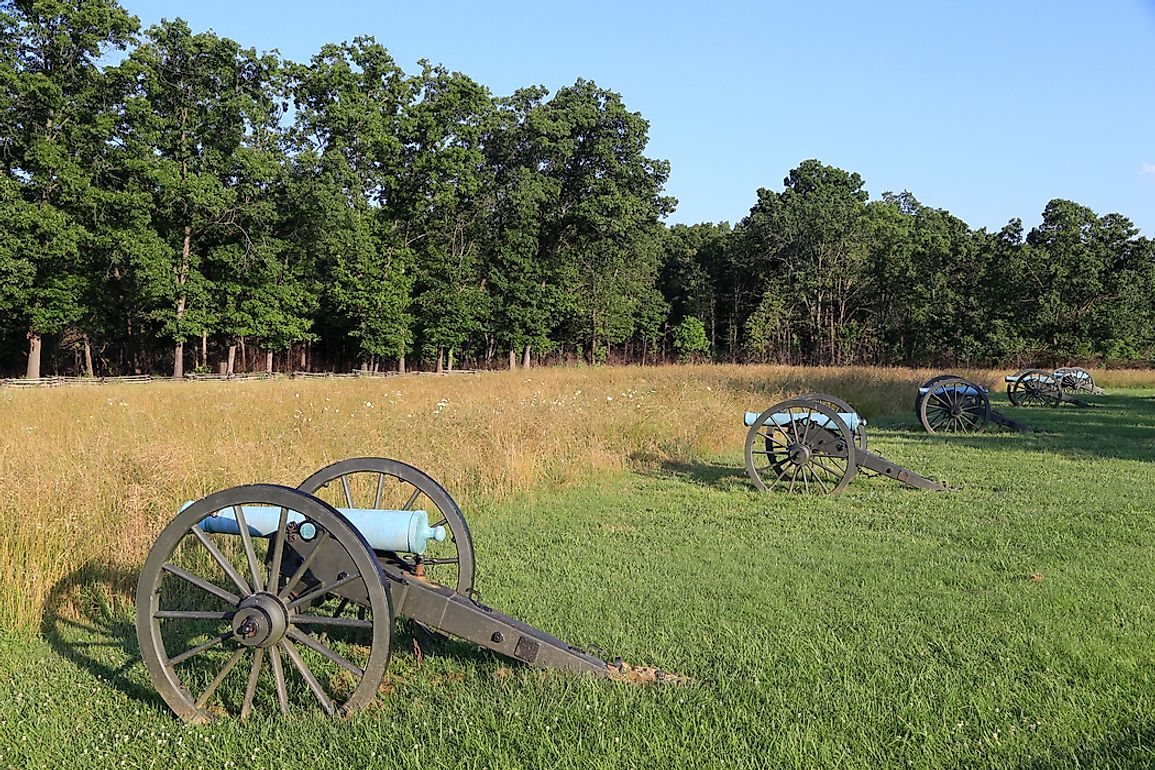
1006	624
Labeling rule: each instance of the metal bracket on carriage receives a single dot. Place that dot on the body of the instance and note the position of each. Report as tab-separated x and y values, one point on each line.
265	573
816	443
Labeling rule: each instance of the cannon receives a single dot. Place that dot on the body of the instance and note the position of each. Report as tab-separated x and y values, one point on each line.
816	443
952	404
1039	387
1076	379
269	598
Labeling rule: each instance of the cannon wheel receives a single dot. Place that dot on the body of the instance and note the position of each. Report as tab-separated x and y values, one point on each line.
217	615
1035	387
948	408
838	405
1075	378
918	395
374	482
801	454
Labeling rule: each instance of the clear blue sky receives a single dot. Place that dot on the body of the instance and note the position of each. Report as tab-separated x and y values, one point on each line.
986	109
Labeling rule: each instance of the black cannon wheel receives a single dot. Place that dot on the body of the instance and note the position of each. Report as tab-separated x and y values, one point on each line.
838	405
918	395
1034	387
377	482
800	445
953	405
1074	378
228	625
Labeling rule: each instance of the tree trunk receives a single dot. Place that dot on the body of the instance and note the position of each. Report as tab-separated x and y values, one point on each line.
268	362
232	359
512	358
304	356
178	361
440	360
450	359
88	372
525	358
244	356
205	349
32	371
401	364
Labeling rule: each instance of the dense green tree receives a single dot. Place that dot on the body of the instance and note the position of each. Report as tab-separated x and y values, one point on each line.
54	119
350	113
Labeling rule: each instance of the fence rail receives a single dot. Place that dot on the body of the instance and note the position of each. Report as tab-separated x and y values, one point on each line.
56	382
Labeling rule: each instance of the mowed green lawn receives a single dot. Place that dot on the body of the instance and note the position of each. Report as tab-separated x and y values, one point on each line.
1010	624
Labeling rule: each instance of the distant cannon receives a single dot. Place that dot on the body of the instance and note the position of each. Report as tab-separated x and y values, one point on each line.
1039	387
816	443
951	404
1074	378
269	598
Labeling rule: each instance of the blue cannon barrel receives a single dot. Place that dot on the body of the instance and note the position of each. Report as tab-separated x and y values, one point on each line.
966	390
780	419
1025	377
385	530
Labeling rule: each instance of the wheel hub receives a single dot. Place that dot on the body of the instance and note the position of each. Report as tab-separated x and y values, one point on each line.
955	410
799	454
261	620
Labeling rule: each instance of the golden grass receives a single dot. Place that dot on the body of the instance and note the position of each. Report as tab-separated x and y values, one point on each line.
91	475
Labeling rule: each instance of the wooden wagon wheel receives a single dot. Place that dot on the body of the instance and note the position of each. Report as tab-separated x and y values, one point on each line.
1034	387
376	483
953	405
801	445
218	615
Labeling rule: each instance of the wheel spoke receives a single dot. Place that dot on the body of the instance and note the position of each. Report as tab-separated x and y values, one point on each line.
380	491
279	678
213	685
204	585
323	589
201	648
307	675
251	688
194	615
250	553
412	499
348	492
324	651
278	550
304	620
224	563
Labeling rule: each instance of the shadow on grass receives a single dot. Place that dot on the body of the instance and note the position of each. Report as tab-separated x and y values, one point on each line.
1117	427
700	473
1127	750
87	622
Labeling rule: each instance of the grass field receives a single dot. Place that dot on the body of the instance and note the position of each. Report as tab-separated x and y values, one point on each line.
1005	624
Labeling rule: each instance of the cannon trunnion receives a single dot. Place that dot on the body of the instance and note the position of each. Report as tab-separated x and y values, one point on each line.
269	598
816	443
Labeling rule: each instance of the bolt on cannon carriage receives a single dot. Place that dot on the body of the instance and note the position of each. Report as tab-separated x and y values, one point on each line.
816	443
951	404
264	597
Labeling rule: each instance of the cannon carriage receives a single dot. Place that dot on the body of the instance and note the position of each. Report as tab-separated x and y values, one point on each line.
269	598
816	443
1039	387
951	404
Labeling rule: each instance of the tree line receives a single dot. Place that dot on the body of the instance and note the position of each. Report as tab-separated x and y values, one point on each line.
174	201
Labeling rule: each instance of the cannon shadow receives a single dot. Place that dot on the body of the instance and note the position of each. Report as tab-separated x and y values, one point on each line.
702	474
1115	427
88	622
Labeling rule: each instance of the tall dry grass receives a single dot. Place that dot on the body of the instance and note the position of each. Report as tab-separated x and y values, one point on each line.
88	476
